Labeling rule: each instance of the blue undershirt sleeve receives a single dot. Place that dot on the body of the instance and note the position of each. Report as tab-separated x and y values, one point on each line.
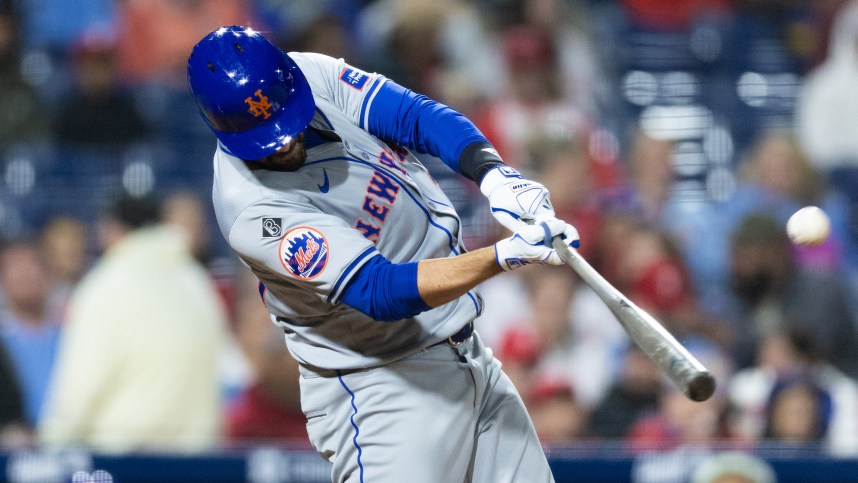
417	122
385	291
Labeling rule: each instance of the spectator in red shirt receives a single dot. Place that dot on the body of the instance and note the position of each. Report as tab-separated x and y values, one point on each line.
557	415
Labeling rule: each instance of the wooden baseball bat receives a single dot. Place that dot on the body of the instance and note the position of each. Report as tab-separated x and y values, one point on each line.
689	375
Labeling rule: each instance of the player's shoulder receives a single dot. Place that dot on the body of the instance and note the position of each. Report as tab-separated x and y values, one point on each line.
260	219
238	192
325	71
315	66
313	59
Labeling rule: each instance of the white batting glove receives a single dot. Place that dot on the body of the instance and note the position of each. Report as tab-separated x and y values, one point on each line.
532	244
514	200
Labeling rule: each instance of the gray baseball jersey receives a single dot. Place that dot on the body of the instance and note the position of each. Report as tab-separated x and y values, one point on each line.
306	233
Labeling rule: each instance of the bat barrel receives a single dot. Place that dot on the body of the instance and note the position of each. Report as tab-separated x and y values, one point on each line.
701	386
689	375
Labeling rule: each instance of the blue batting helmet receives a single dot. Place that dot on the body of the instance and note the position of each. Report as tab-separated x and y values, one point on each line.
250	93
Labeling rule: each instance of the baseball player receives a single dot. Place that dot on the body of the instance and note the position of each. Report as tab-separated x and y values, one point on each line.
360	262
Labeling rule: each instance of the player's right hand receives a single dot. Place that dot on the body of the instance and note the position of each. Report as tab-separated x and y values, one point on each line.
532	244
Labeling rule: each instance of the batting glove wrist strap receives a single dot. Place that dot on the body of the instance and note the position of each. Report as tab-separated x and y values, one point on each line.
498	176
478	159
514	200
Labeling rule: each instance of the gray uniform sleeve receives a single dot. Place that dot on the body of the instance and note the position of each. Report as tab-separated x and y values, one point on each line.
295	246
349	88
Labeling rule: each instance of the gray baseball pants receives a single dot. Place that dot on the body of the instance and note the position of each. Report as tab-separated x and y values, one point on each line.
446	414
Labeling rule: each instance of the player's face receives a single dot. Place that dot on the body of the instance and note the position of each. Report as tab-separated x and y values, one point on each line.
288	158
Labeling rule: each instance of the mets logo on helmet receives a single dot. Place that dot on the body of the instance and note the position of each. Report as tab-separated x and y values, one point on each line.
304	252
260	107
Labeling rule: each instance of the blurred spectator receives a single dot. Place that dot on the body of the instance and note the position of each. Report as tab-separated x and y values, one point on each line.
640	198
63	244
826	106
184	210
612	243
660	285
771	294
824	14
155	36
415	48
326	24
506	306
327	34
733	467
138	360
794	356
270	408
22	117
649	272
435	47
534	107
651	175
653	275
98	112
634	395
29	335
557	415
153	40
645	262
824	113
12	422
749	388
96	122
582	360
798	412
778	179
569	26
520	351
774	178
235	371
567	172
560	332
681	421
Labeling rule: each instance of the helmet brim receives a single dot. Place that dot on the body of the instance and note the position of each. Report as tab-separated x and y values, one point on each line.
264	140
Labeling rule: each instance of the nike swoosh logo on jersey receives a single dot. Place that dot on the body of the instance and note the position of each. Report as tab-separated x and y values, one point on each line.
325	185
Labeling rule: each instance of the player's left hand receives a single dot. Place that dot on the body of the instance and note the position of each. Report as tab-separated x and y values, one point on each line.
515	201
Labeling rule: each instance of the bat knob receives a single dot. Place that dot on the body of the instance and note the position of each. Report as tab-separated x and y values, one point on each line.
701	387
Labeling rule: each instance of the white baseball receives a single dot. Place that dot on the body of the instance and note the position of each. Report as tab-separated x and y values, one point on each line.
808	226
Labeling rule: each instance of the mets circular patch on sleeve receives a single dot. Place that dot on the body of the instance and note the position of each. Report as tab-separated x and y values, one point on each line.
304	252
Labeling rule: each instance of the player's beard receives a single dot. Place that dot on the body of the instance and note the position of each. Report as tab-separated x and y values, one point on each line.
289	159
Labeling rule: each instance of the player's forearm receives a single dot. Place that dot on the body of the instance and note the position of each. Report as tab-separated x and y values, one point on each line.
441	280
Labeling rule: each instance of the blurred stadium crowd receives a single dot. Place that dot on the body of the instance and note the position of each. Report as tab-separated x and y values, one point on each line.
676	136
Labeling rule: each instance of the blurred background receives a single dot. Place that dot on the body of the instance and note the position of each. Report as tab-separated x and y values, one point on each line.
677	136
